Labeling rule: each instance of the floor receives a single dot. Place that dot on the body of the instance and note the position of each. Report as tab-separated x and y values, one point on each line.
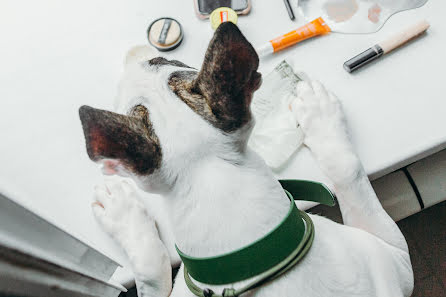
425	233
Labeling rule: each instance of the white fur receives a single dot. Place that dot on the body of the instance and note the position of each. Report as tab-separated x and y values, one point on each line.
221	196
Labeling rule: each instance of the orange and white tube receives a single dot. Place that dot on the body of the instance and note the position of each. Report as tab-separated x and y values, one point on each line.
312	29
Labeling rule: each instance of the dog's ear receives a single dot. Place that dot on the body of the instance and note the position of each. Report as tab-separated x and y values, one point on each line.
121	140
229	76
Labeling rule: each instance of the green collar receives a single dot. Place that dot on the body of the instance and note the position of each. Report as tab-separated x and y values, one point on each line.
267	252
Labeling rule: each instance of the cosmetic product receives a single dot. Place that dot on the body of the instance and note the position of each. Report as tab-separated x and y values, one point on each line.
289	9
276	136
165	34
314	28
386	46
346	16
221	15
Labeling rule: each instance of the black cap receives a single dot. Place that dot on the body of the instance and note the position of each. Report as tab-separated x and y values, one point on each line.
363	58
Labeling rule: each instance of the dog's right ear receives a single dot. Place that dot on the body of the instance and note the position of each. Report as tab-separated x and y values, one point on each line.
127	141
229	76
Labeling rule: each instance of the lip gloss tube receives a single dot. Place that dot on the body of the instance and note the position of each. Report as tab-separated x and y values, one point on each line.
386	46
314	28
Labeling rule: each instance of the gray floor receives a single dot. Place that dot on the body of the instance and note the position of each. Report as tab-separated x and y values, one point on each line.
425	233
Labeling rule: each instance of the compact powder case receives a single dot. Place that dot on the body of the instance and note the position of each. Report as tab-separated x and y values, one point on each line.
165	34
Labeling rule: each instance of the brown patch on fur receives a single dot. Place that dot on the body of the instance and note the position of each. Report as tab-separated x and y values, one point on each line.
182	83
222	91
130	139
160	61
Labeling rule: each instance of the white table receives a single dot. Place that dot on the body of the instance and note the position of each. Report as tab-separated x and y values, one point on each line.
58	55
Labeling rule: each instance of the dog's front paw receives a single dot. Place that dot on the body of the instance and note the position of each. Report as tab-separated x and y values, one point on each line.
121	214
320	115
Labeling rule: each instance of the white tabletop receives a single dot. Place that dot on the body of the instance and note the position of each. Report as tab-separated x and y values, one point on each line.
58	55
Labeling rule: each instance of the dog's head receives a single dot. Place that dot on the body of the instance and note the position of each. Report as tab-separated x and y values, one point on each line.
171	116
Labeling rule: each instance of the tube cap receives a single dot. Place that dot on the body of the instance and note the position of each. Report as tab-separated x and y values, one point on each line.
221	15
363	58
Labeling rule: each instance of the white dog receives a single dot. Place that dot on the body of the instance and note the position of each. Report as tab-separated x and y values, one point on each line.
183	133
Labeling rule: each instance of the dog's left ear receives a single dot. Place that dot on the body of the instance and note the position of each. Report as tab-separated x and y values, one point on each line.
121	140
228	77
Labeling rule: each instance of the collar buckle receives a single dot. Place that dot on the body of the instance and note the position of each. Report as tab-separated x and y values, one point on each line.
228	293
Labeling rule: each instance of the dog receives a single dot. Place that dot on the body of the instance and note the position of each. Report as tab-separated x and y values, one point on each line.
182	133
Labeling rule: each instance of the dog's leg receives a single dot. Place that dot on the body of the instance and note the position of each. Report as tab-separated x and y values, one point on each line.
326	134
124	217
